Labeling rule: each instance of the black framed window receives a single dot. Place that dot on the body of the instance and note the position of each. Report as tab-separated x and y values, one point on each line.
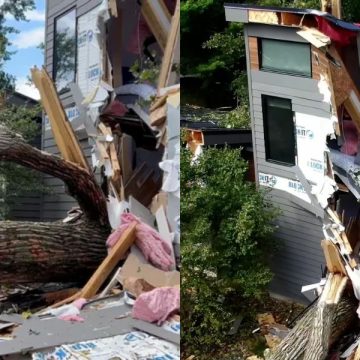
65	50
287	57
279	130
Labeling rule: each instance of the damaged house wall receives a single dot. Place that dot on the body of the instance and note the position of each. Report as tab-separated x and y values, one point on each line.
304	97
56	205
300	259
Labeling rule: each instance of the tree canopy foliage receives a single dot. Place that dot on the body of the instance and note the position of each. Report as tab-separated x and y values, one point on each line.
15	180
16	8
226	244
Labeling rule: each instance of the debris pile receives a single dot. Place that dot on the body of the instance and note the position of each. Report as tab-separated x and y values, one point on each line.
129	208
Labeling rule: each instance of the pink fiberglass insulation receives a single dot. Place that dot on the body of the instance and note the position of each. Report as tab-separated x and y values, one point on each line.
154	248
157	305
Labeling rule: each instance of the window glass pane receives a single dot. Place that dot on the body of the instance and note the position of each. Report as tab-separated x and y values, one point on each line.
288	57
65	49
279	130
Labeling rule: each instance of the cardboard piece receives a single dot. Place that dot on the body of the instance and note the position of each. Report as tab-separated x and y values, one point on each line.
155	277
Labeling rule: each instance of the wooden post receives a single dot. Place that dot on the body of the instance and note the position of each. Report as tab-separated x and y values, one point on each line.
336	8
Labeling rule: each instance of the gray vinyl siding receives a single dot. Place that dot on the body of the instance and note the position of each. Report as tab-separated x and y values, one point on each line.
300	257
56	205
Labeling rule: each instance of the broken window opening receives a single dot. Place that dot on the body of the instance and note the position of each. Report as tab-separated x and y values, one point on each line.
279	130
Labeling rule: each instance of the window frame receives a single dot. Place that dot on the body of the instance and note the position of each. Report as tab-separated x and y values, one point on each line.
266	131
279	71
54	59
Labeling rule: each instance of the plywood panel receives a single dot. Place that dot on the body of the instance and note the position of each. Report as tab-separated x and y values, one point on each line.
254	53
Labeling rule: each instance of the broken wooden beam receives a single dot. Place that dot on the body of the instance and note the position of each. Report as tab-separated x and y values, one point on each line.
158	18
63	132
167	62
107	266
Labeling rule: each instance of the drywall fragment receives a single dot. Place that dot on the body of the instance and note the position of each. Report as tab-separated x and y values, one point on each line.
314	37
133	267
141	211
109	172
115	208
171	182
324	89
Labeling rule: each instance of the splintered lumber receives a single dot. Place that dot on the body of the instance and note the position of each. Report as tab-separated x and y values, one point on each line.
294	345
116	178
167	62
62	130
357	353
336	8
80	183
319	340
158	18
317	346
333	259
109	263
158	116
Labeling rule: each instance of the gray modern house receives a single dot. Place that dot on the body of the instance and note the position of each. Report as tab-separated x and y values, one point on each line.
301	74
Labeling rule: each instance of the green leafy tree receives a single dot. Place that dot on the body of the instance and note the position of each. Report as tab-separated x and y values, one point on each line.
15	181
226	245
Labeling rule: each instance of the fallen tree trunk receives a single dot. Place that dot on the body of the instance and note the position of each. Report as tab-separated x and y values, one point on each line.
294	346
41	252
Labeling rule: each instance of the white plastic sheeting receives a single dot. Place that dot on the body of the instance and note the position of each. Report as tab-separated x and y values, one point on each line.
280	183
311	132
89	64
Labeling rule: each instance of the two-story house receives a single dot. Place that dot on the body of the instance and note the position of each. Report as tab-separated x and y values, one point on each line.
304	76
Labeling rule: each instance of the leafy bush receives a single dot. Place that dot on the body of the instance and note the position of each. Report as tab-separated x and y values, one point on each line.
226	244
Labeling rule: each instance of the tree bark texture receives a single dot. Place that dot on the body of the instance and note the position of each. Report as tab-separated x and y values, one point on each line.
316	331
41	252
80	183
